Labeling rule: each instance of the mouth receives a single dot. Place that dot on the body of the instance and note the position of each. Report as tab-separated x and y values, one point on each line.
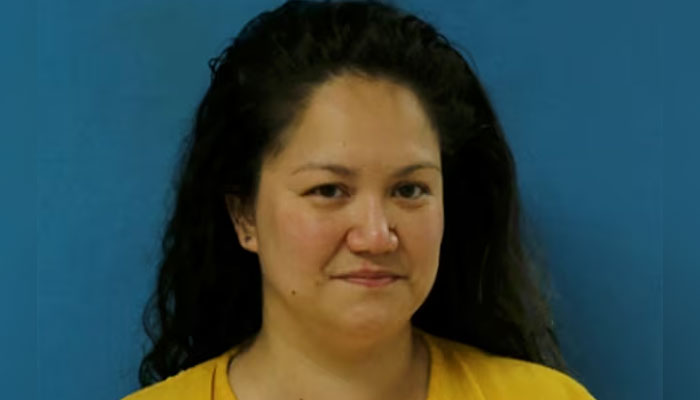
372	279
371	282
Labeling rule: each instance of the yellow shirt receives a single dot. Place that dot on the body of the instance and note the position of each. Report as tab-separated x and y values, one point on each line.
457	371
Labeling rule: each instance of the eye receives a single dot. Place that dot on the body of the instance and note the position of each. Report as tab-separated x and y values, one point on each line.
409	191
326	190
409	188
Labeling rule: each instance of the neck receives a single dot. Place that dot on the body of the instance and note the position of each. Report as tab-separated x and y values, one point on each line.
302	362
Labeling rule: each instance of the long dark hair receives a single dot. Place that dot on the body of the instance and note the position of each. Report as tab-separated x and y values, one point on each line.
488	291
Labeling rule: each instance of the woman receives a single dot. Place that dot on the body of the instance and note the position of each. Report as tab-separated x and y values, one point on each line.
346	226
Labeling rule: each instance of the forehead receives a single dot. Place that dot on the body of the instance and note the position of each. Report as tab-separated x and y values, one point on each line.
364	119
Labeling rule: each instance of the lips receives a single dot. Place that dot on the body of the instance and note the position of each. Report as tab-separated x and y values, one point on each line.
371	282
368	274
369	278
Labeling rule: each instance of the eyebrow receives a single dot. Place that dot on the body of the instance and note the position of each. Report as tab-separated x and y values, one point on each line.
345	171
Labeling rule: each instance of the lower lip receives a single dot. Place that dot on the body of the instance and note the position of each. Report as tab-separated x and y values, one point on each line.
371	282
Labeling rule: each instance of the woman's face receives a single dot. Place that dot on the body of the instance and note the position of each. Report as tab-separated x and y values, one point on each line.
334	202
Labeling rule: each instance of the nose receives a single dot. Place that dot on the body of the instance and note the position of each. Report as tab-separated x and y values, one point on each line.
370	231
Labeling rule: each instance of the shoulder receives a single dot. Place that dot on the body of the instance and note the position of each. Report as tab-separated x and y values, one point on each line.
193	384
502	377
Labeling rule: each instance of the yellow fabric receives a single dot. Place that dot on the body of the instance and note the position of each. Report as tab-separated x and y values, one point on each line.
457	371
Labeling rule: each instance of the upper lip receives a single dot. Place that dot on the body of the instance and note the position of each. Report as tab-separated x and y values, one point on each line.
368	274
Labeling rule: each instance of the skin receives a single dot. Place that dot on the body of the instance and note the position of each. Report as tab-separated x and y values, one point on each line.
323	337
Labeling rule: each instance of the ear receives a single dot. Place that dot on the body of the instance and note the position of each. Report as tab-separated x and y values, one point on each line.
244	223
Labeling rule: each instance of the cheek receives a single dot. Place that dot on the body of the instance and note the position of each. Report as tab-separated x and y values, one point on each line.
426	232
423	245
305	239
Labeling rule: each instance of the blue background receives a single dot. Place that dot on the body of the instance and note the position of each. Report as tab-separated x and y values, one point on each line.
595	99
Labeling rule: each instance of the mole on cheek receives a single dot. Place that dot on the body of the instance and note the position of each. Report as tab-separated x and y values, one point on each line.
294	292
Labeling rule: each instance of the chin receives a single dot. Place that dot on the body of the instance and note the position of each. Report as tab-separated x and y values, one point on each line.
373	325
